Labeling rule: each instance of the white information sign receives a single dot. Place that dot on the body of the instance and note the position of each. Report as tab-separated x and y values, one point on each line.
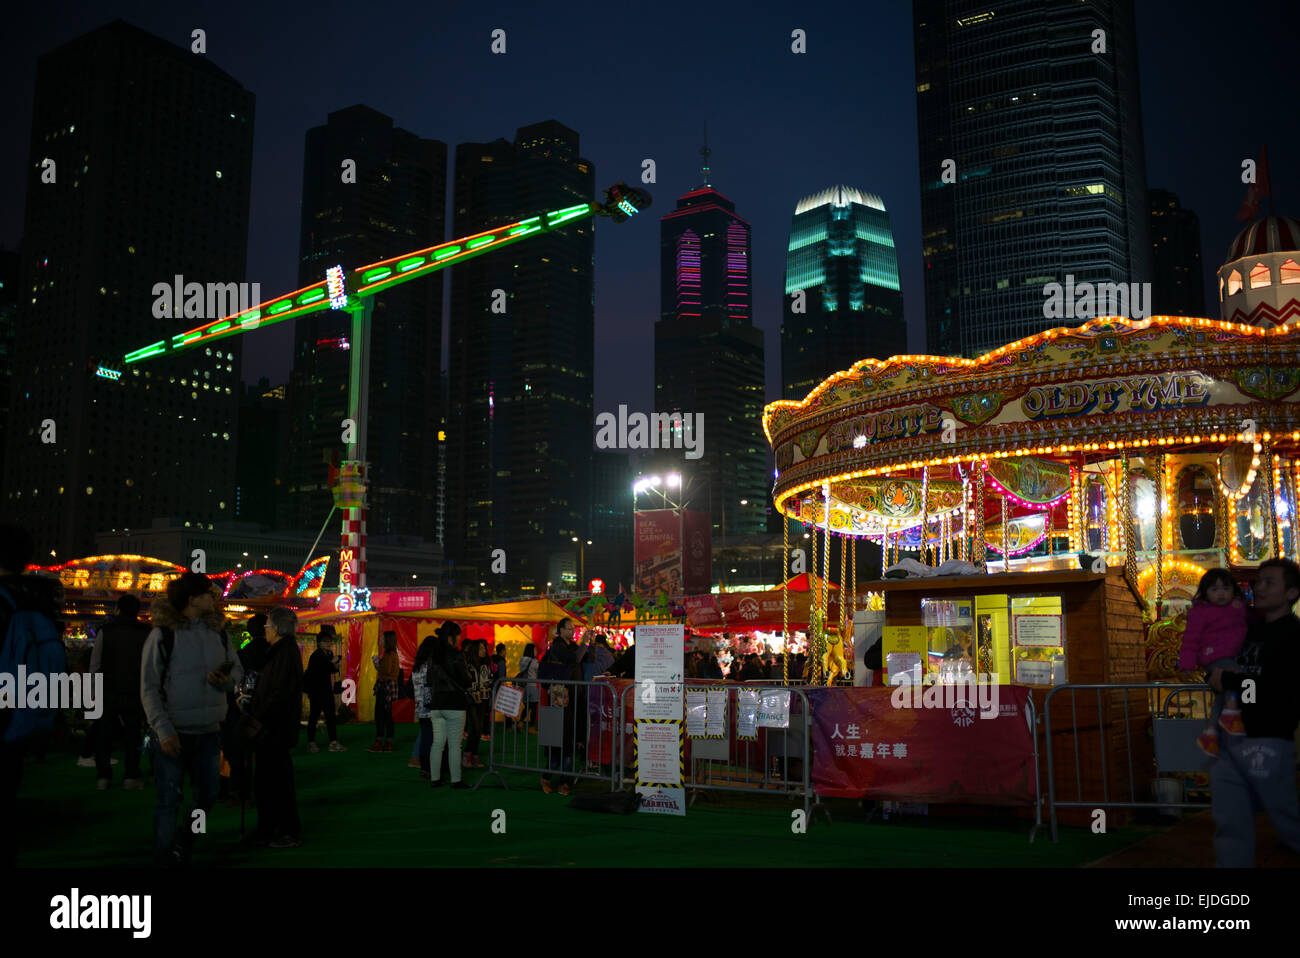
716	727
659	753
774	710
659	800
510	701
659	671
696	717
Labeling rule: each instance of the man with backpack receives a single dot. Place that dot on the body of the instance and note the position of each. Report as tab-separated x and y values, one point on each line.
29	636
118	650
189	666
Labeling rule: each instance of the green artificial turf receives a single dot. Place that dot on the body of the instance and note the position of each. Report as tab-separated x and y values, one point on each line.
364	810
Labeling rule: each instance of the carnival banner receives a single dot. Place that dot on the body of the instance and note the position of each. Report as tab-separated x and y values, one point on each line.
864	746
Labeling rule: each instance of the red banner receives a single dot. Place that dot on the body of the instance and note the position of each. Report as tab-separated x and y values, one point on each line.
864	746
697	552
702	611
657	553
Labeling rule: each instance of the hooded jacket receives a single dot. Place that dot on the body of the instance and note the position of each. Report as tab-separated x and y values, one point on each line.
33	593
188	705
1212	632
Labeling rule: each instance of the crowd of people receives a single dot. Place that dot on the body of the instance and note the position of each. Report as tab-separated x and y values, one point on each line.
181	690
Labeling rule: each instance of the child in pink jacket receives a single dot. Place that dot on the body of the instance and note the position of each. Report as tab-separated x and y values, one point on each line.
1215	632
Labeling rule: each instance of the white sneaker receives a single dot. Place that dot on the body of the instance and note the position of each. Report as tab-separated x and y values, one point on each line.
85	763
338	747
313	747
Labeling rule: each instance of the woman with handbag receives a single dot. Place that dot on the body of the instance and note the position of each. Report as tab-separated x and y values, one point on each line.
449	680
562	663
389	671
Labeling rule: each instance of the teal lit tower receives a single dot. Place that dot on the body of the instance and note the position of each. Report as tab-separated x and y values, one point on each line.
842	296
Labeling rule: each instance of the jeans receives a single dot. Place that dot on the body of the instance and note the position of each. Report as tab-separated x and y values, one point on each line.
277	798
559	759
1268	785
319	705
447	726
425	744
200	758
383	718
124	719
474	726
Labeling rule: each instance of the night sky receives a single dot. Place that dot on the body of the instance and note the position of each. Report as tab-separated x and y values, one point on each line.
640	80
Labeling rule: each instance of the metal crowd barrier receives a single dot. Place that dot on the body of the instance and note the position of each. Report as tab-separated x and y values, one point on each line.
559	739
1173	737
777	762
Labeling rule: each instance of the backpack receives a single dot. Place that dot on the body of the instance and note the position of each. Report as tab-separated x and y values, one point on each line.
32	641
165	647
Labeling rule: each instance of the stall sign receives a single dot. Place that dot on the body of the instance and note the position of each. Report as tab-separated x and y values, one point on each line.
658	800
774	709
1038	631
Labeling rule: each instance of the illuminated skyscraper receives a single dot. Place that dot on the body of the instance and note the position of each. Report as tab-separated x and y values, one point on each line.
1032	164
153	153
709	355
841	256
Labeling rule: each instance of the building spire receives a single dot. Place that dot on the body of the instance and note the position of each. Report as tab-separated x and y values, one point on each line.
705	152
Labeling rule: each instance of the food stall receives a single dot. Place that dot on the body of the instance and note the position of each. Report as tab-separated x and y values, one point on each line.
1098	471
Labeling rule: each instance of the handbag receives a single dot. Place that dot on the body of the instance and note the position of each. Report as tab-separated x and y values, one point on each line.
405	686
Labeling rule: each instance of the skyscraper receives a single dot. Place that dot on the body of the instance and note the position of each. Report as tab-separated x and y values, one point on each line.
841	256
1177	278
10	264
1032	165
709	356
395	203
152	153
522	340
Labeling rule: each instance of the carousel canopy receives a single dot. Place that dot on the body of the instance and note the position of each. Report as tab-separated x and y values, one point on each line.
887	443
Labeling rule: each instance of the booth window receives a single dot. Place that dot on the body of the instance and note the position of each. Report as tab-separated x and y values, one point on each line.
1290	272
1038	640
1234	283
1096	518
1260	276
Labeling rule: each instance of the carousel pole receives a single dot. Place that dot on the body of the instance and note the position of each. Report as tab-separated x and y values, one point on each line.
925	515
1126	521
1161	465
979	544
963	540
1006	535
844	572
1271	491
785	601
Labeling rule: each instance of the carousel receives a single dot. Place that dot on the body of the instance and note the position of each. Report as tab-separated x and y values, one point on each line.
1151	449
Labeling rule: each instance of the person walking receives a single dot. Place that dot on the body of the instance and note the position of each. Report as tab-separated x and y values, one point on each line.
119	647
527	675
1256	772
449	681
27	593
480	684
187	670
318	684
388	671
420	680
272	726
561	664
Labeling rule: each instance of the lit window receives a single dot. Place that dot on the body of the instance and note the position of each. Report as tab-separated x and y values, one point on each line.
1290	272
1220	289
1260	276
1234	283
